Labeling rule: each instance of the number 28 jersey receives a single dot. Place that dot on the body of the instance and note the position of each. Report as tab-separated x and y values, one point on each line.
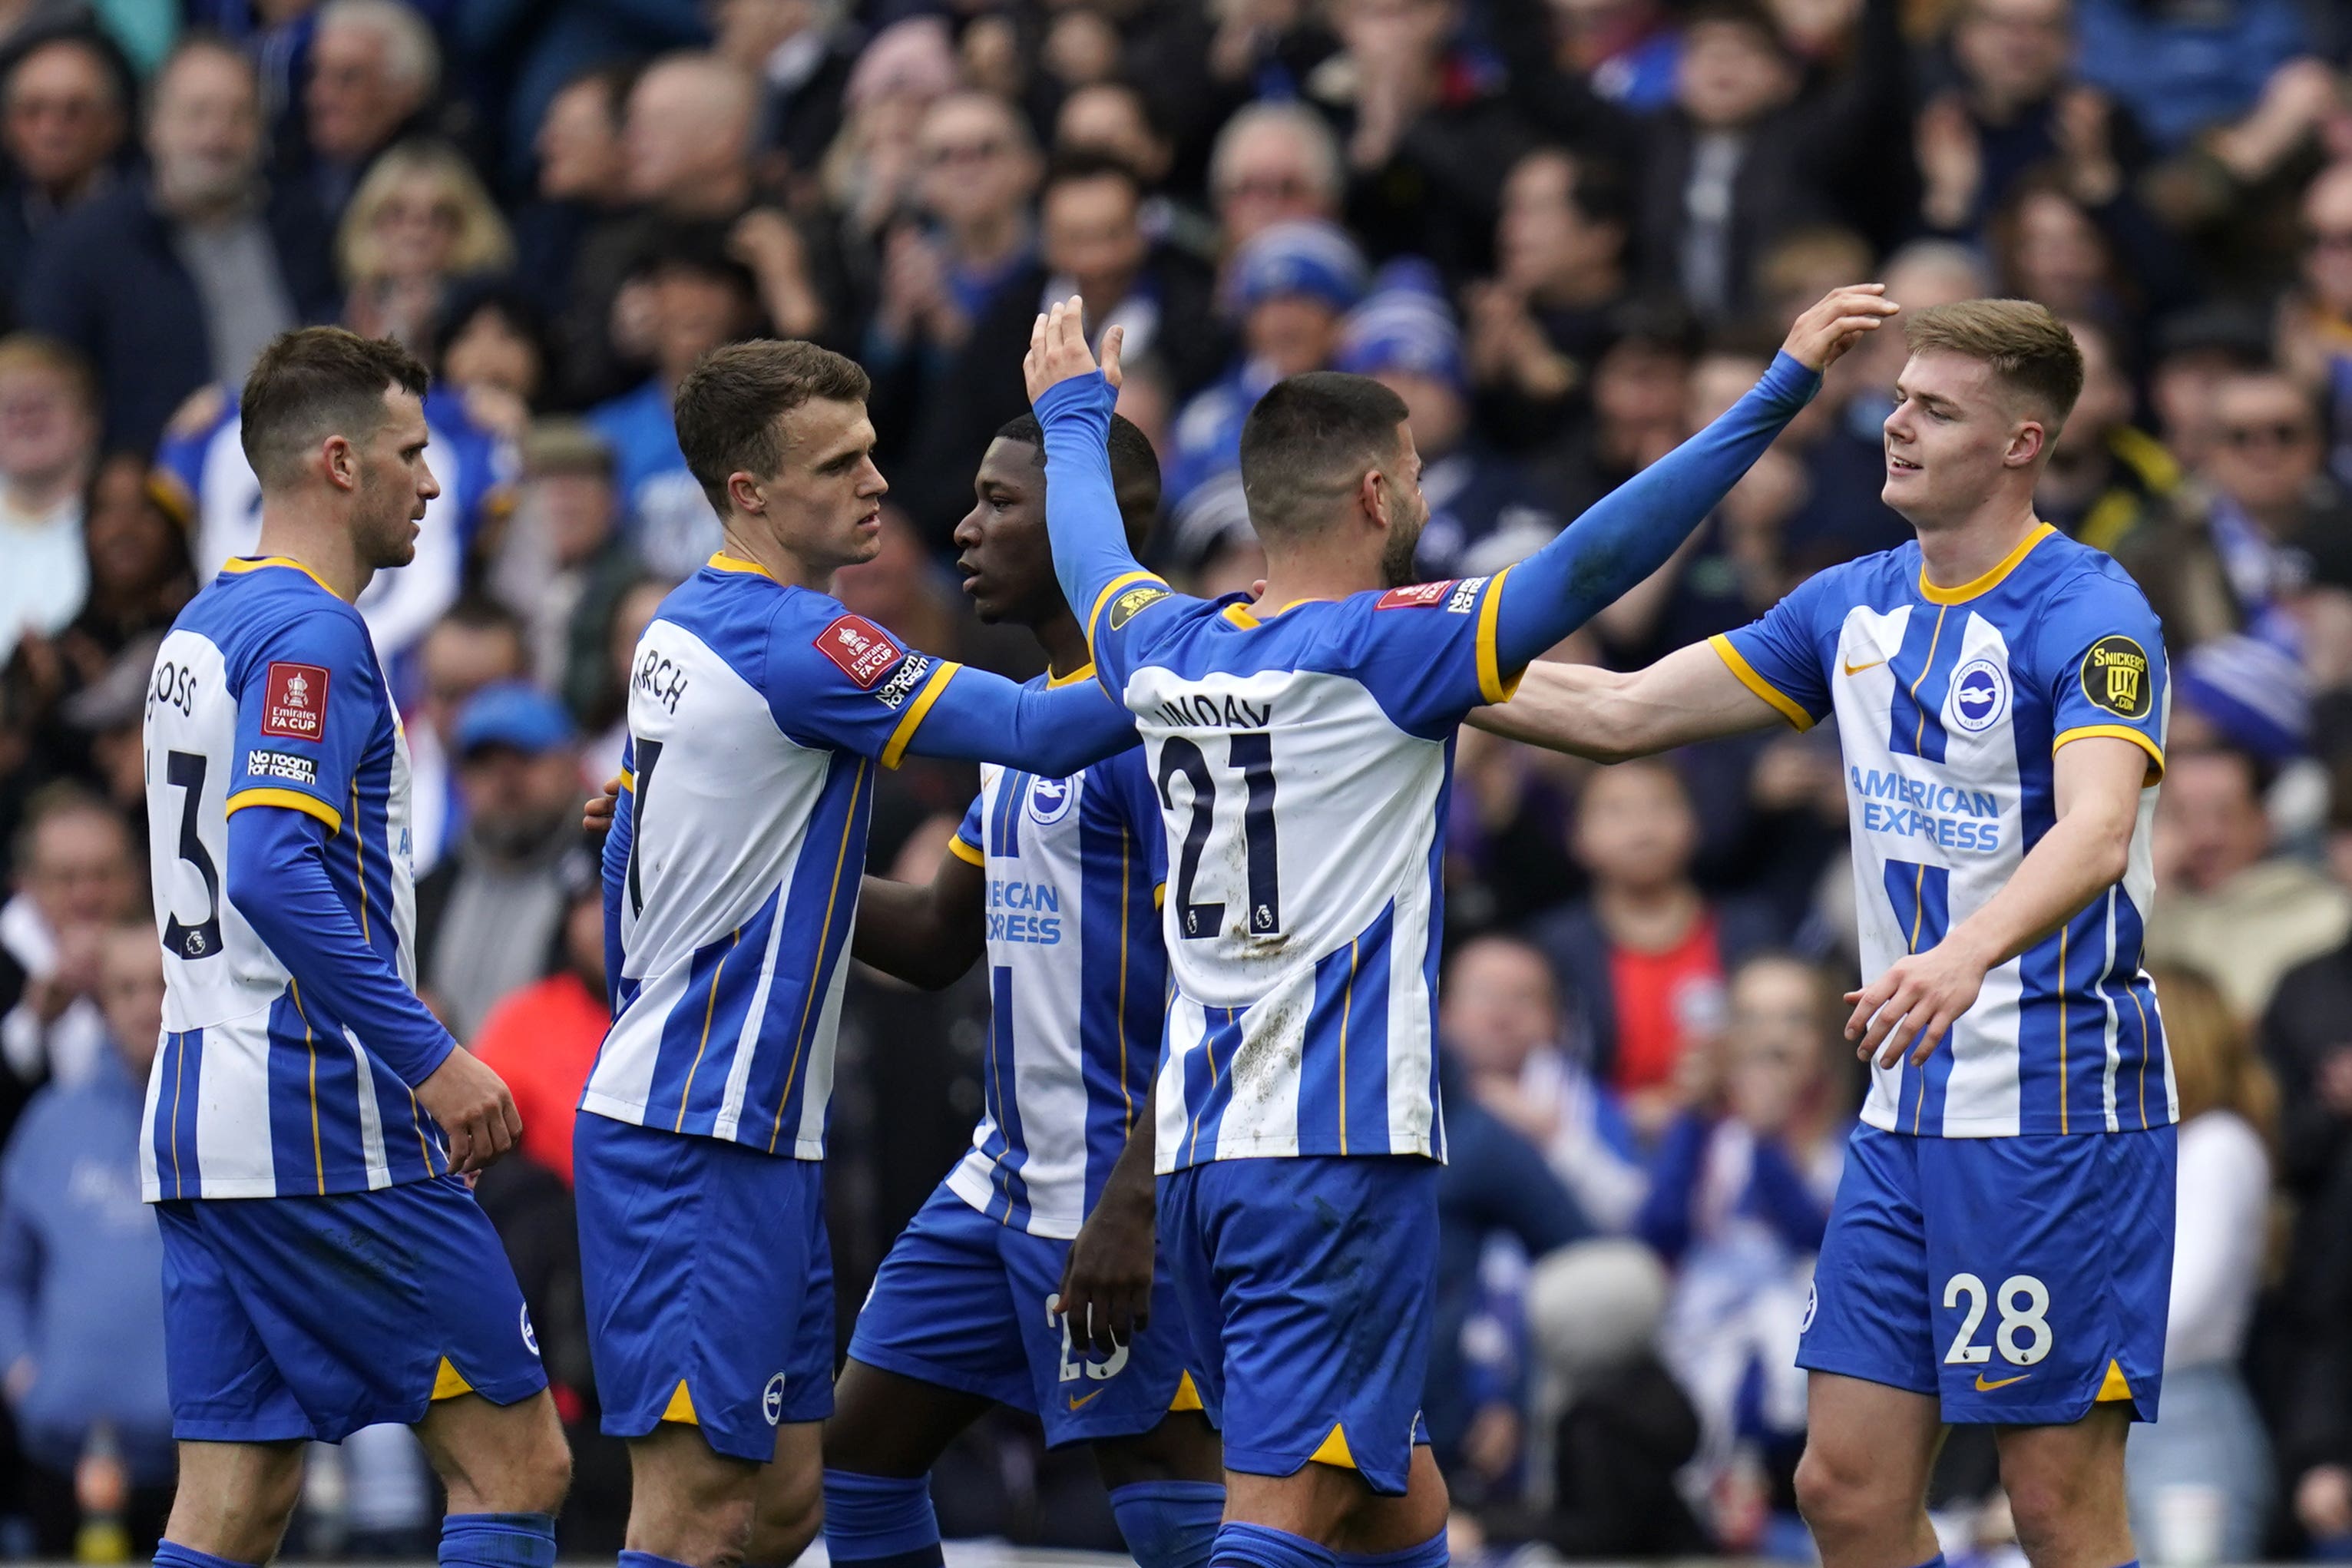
1951	707
267	693
1303	763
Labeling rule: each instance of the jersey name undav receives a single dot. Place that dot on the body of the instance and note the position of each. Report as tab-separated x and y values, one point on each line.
267	693
1951	705
1077	979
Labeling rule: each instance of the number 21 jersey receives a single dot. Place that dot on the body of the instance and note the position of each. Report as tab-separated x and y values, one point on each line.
1303	763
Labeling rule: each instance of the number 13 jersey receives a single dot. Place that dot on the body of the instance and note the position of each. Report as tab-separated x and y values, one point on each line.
1303	763
267	692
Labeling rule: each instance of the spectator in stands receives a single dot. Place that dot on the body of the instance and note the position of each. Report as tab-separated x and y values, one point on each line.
566	558
419	221
489	914
2183	70
543	1038
1625	52
1639	399
1273	162
1484	514
2107	479
801	52
609	716
477	643
1740	1193
76	875
870	170
2272	522
1539	325
81	1273
1287	290
1507	1035
178	279
492	353
1117	119
2307	1033
374	68
2232	905
698	299
2315	1433
49	440
2209	1437
64	121
1646	954
581	177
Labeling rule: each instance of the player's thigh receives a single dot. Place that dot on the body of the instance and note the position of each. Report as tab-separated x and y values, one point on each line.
1079	1395
1326	1270
498	1459
1182	1447
1869	1450
1384	1524
1868	1316
2049	1262
687	1502
2068	1481
233	1499
789	1507
936	1343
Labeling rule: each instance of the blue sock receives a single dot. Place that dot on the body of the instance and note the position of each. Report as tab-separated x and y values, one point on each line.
499	1540
880	1520
649	1560
171	1554
1241	1545
1170	1524
1429	1554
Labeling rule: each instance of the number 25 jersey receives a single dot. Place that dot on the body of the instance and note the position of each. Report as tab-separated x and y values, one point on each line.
1952	705
267	693
1303	763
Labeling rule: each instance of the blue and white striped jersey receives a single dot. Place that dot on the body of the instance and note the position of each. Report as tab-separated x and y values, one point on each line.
1302	764
758	713
1951	705
267	692
1077	979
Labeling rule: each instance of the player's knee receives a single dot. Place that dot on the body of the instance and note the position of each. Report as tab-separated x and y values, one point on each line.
714	1533
1842	1495
2049	1502
784	1524
543	1474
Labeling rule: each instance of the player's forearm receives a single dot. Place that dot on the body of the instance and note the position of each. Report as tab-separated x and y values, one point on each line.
1131	1180
1051	731
1608	715
1082	516
1630	533
618	840
2082	856
904	931
278	880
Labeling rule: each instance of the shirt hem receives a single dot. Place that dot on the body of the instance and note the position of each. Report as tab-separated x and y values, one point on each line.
969	1181
1291	1149
613	1108
1981	1127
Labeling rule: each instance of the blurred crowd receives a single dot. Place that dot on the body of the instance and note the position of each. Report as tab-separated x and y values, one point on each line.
1566	232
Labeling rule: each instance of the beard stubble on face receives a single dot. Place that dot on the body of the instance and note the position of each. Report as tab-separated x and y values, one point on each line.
1396	554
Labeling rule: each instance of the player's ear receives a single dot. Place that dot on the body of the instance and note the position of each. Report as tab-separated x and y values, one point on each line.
2025	443
744	492
341	462
1372	496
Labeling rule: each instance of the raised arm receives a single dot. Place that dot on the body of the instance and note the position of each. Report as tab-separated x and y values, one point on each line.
926	934
1051	731
1607	716
1073	403
1629	533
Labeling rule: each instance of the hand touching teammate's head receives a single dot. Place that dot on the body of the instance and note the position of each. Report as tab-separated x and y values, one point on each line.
330	415
777	434
1977	407
1328	465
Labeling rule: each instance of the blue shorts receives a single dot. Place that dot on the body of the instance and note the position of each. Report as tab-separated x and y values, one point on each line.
962	1301
1306	1285
315	1316
2022	1280
708	1279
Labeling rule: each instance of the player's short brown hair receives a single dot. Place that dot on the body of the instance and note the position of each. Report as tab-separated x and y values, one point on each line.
728	405
1308	441
2028	348
316	382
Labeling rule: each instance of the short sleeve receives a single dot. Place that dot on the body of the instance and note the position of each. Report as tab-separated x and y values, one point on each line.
2100	656
308	704
835	679
1429	653
971	840
1130	610
1781	655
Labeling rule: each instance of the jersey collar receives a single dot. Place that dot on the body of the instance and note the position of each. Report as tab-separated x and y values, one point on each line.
1990	580
722	562
1083	672
242	564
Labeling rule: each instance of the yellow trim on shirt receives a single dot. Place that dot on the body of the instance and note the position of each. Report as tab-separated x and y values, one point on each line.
968	853
1788	706
1491	684
292	799
722	562
1083	672
242	564
1094	617
1239	616
448	1382
629	781
894	752
1990	580
2120	732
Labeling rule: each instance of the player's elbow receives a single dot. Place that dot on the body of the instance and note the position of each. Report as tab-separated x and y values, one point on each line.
2110	850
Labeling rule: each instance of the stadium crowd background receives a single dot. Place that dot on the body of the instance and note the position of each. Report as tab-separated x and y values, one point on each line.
1567	232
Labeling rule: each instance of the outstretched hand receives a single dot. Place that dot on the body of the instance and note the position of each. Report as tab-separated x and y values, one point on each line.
1837	324
1058	351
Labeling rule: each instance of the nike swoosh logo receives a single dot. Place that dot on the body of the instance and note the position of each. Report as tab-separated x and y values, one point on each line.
1076	1402
1858	669
1984	1387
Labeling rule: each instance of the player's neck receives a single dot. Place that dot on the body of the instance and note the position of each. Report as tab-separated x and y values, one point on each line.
1064	644
1294	579
1965	549
769	556
320	544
